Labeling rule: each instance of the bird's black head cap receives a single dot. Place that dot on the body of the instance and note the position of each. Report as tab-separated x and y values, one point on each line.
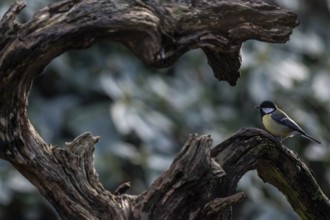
266	107
267	104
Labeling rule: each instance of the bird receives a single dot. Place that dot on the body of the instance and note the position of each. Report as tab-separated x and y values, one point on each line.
278	123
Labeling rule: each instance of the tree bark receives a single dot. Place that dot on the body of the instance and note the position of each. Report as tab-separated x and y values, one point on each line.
201	182
251	149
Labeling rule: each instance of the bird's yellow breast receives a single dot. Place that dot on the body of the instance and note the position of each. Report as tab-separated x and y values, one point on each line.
274	127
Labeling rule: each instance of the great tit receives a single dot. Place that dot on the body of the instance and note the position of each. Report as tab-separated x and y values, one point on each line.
278	123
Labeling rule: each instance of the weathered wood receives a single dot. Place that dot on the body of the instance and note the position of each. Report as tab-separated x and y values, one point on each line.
201	183
251	149
157	33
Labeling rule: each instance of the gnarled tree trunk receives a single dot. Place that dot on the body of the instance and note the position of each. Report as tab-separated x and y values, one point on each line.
201	182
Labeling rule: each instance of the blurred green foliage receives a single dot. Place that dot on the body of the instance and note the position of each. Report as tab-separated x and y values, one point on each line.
144	115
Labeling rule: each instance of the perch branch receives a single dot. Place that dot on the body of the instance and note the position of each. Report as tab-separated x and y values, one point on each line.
252	149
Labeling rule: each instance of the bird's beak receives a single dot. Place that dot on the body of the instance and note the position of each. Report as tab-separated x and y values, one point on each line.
257	107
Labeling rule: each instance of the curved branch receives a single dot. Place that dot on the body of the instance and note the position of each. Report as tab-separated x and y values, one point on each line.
195	184
157	33
252	149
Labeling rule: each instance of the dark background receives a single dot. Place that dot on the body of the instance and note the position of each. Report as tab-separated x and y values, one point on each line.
145	115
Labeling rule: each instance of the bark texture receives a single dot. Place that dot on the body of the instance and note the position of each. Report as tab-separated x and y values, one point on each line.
276	164
157	33
201	182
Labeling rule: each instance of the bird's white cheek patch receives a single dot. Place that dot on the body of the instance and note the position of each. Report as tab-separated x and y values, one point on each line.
268	110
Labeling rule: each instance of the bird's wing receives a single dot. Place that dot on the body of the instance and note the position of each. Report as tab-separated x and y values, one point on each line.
282	118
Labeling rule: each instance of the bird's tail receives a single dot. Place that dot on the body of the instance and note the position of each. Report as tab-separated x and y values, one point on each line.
310	138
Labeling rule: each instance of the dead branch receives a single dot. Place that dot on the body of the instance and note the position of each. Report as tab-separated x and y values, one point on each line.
201	183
